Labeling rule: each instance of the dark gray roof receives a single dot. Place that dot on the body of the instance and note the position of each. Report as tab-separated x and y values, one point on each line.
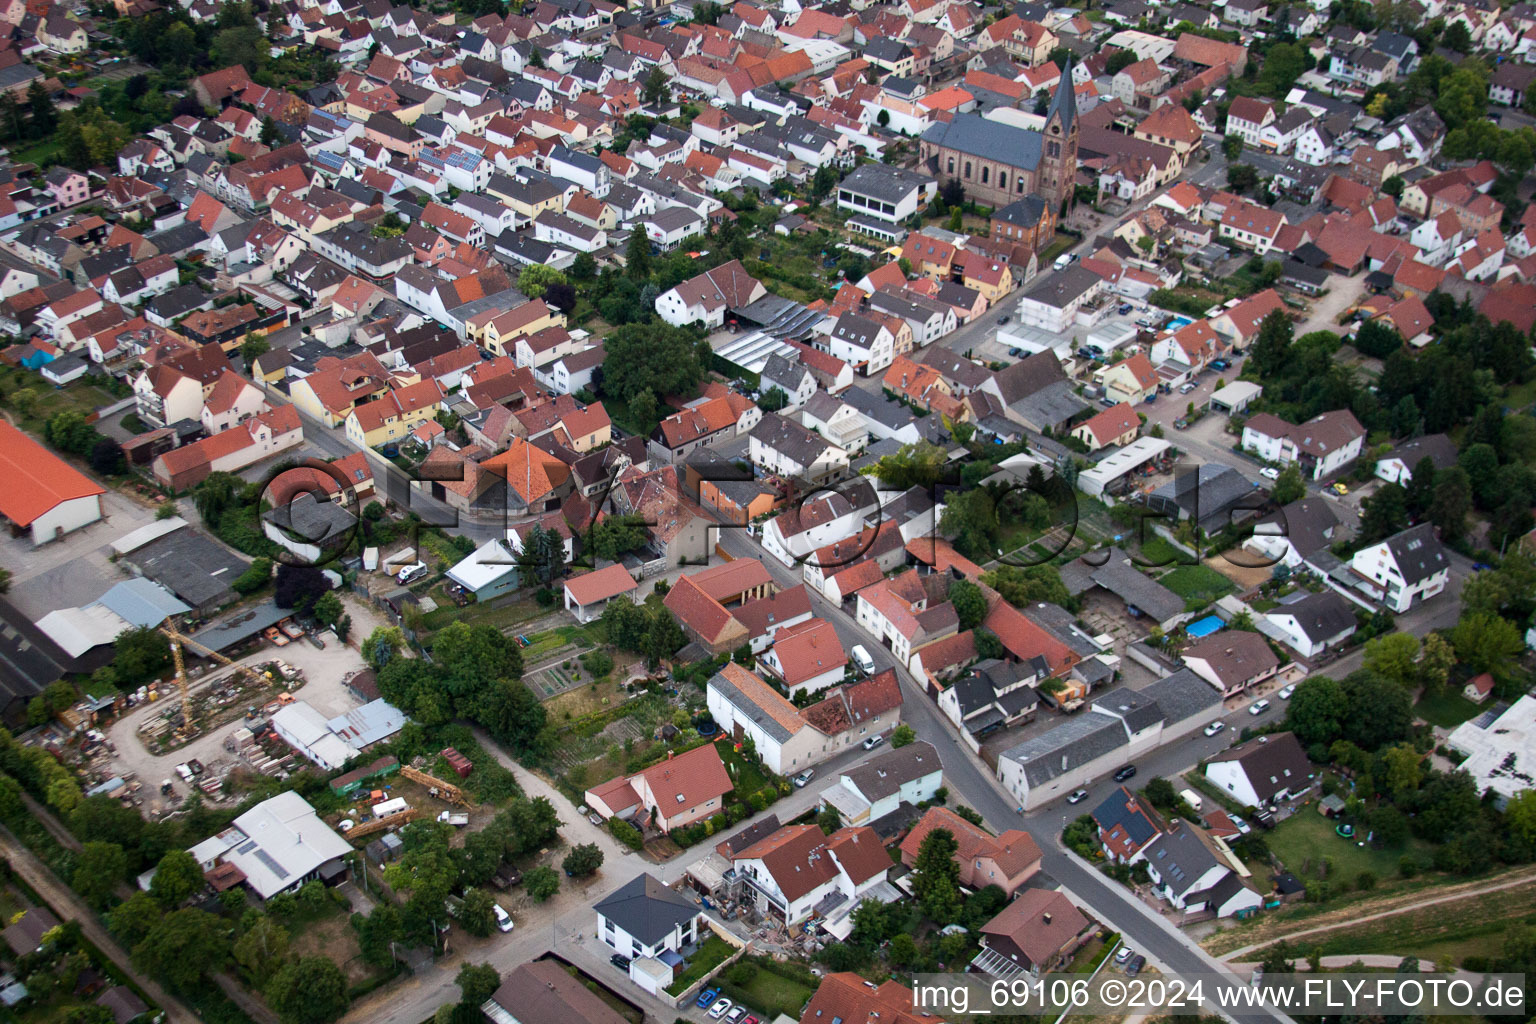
1306	523
1138	711
881	776
1181	695
790	438
647	909
892	415
1272	763
1321	616
1028	375
880	181
780	371
189	565
1438	448
1049	407
1063	287
1181	858
1070	745
1206	495
1130	812
1024	212
1418	553
988	140
1064	102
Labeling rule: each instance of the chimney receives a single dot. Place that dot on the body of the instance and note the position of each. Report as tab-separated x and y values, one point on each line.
671	754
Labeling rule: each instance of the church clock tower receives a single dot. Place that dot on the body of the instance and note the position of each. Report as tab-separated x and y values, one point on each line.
1058	155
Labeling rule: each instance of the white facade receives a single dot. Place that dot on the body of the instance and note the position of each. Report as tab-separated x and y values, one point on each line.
1296	637
66	517
1376	564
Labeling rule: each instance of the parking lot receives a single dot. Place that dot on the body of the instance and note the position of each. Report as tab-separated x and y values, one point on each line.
74	570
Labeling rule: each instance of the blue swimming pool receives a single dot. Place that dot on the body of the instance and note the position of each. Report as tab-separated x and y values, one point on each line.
1179	321
1205	627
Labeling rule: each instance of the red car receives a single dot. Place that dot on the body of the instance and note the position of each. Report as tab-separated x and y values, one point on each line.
751	1020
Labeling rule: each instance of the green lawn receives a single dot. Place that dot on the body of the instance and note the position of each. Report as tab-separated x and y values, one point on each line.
1197	584
1449	709
769	995
711	954
1306	839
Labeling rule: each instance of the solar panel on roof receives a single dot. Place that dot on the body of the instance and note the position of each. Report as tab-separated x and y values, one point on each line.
250	844
272	865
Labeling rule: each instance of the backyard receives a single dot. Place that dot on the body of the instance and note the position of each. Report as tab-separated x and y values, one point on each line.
1447	709
768	988
1308	846
1198	585
712	952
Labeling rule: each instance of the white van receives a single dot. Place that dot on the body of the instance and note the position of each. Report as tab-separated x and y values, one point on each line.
861	658
1062	262
1192	798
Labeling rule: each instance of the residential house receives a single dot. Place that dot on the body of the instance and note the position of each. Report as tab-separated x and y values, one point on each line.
1231	660
1320	447
674	792
1034	935
1407	567
1265	770
1007	861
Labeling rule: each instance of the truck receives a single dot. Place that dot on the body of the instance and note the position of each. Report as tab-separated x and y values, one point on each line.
458	819
388	807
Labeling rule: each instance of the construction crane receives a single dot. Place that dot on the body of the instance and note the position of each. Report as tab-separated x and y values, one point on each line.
368	828
446	791
180	640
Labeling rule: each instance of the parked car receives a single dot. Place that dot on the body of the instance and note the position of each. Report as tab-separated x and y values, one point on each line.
1107	402
1078	796
861	658
1123	309
1286	691
1016	352
804	777
749	1019
1181	424
1258	707
1134	965
412	572
1214	728
720	1009
503	919
1126	952
1062	262
1220	364
706	997
1339	489
1269	473
619	961
596	819
1242	826
873	742
1125	773
737	1012
1002	319
1187	387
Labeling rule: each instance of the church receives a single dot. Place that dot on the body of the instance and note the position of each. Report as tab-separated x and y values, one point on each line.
999	163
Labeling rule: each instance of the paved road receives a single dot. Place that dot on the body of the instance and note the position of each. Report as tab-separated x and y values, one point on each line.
970	780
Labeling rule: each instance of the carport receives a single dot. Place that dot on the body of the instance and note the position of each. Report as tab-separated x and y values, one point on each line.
1234	398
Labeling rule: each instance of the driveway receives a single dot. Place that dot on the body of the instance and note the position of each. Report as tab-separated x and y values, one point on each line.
77	568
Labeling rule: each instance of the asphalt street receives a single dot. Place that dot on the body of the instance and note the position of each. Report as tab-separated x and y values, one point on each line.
970	780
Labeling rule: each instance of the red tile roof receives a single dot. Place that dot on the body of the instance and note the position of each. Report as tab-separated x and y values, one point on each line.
37	481
609	581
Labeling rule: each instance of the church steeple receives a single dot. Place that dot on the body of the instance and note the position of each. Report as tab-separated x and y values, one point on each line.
1058	158
1064	103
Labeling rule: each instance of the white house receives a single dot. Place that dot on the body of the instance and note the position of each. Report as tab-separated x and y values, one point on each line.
796	532
1313	624
1263	771
868	792
1404	568
43	494
705	299
644	918
1320	447
789	873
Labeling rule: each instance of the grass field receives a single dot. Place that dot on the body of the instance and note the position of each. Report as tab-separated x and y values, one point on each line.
1443	933
1306	840
1449	709
769	994
1197	584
